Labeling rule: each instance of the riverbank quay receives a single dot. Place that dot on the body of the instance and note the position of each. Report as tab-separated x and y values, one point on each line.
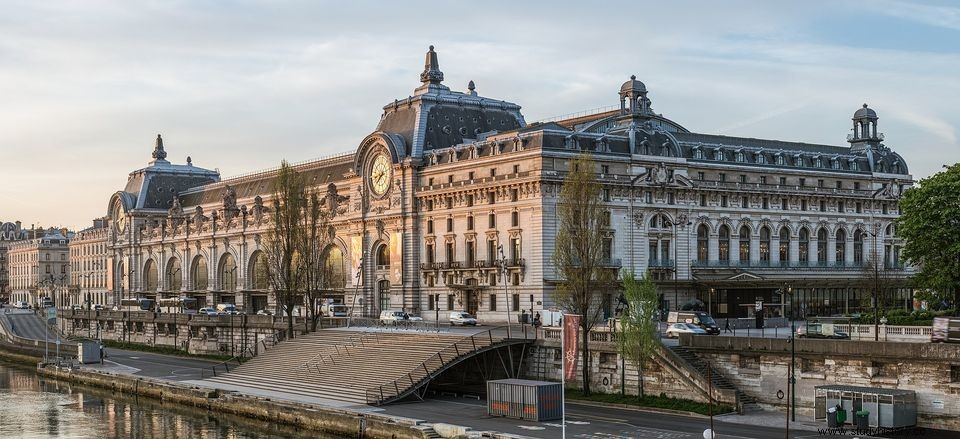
338	421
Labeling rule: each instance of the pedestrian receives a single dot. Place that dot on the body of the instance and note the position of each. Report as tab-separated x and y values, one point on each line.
536	320
726	326
101	353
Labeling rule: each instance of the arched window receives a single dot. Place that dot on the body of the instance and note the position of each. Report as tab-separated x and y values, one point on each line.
383	255
724	244
744	243
174	275
804	245
228	273
858	247
334	270
765	244
150	276
703	243
784	245
822	245
199	274
841	252
259	274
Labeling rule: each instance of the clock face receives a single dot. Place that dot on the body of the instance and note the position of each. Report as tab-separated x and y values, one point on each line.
380	174
119	219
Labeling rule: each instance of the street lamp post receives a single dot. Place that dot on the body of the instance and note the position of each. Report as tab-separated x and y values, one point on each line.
791	380
876	272
503	275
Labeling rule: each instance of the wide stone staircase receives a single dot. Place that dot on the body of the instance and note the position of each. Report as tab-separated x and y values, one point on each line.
745	402
357	366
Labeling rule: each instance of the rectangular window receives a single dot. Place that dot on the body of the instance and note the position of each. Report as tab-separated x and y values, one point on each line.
492	221
493	302
955	374
763	179
449	225
743	178
450	255
469	200
744	203
514	195
491	197
606	195
856	185
823	206
820	183
700	176
884	209
449	302
783	181
493	172
648	197
703	200
470	222
429	227
516	302
723	177
840	207
492	279
839	184
470	176
604	169
429	205
516	169
803	205
450	178
784	204
515	279
449	202
766	203
515	219
431	304
670	198
803	182
723	201
491	251
859	208
430	253
515	249
430	181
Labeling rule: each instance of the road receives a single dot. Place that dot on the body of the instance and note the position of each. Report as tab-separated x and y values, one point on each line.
585	422
152	365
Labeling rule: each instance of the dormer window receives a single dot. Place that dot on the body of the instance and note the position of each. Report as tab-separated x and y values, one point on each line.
836	163
798	161
761	159
698	153
780	159
741	157
854	166
818	163
718	154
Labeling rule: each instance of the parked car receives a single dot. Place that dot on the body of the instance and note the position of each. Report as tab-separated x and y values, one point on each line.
698	318
99	307
207	312
76	307
820	330
46	302
413	318
462	319
264	312
674	330
227	308
23	305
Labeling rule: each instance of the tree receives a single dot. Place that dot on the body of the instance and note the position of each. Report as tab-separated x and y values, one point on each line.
639	337
316	237
579	254
930	225
283	241
878	280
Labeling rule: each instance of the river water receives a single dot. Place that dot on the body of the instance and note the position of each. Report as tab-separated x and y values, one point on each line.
35	407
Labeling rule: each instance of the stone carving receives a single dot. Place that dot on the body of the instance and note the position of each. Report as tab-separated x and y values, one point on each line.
258	209
198	218
638	218
659	174
230	209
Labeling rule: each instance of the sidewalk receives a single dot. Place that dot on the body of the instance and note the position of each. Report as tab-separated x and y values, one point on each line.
770	418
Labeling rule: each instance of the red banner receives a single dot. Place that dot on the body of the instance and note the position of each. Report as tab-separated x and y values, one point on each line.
571	324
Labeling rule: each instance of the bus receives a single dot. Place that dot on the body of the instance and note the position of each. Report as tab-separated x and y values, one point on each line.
138	304
183	304
945	330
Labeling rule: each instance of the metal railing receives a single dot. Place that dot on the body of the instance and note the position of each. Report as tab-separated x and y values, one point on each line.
431	367
246	354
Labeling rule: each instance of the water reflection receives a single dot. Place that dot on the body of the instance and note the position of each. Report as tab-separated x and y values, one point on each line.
34	407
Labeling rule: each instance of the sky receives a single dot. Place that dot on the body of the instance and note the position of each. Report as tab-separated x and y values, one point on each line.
239	86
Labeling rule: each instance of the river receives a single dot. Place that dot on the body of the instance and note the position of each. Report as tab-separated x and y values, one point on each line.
35	407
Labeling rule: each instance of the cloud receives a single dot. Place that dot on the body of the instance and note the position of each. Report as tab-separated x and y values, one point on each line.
940	16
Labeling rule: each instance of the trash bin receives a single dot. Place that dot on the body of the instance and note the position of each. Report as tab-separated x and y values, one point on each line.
525	319
861	419
832	417
841	417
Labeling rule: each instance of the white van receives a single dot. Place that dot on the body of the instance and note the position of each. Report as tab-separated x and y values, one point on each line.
463	319
334	310
391	317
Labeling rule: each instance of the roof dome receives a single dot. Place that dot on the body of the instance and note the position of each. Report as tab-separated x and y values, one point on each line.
633	86
865	112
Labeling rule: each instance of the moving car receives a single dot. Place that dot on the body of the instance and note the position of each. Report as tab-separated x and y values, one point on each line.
23	305
264	312
463	319
698	318
207	312
333	310
945	330
227	308
392	317
820	330
674	330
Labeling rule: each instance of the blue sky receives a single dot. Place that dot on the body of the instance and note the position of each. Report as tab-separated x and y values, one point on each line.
86	86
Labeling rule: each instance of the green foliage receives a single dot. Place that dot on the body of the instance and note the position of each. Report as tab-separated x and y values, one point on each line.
930	227
639	337
661	401
283	240
901	317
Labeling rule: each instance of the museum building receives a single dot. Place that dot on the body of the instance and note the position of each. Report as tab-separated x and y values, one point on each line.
450	204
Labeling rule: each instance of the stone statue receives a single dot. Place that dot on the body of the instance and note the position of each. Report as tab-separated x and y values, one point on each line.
659	174
257	210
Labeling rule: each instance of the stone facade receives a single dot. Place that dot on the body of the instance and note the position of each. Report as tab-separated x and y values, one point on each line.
88	267
9	233
39	267
450	205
